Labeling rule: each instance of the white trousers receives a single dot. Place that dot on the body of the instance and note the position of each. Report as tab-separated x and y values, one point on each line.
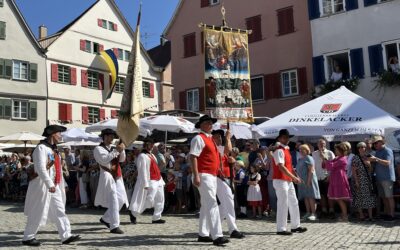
116	203
210	221
56	214
227	206
287	200
155	198
82	191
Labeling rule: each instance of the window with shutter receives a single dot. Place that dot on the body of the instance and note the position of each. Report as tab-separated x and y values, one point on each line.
33	111
318	70
204	3
257	89
290	85
7	108
33	72
151	90
64	74
20	109
8	69
146	89
332	6
73	76
93	114
2	69
192	99
254	24
392	52
272	86
20	70
357	63
338	66
93	80
54	72
2	30
85	115
82	45
84	78
119	85
189	42
62	112
285	21
303	82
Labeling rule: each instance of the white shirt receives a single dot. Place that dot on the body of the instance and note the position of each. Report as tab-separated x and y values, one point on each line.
321	173
336	76
104	158
395	68
279	154
197	145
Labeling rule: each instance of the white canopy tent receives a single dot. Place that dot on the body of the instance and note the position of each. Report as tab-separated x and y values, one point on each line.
338	113
241	130
79	135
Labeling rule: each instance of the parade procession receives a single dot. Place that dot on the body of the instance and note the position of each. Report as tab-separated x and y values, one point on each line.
200	123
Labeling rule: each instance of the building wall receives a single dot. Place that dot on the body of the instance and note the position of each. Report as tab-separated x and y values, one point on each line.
66	50
19	45
361	28
167	94
270	55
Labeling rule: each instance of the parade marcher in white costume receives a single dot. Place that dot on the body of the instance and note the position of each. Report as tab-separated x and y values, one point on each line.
149	187
224	189
44	199
111	190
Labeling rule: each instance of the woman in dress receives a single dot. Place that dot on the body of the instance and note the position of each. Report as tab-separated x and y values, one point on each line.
307	190
339	189
83	179
363	195
254	197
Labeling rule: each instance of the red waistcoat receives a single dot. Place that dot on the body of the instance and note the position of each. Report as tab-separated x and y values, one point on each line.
225	167
208	160
155	174
278	174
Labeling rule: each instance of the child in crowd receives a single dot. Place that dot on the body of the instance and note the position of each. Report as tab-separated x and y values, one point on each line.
240	181
170	188
254	196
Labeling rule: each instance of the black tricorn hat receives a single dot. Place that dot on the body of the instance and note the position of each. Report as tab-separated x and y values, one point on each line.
204	118
52	129
284	132
108	131
218	132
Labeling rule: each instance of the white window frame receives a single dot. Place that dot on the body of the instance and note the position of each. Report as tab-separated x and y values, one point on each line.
93	79
326	66
19	117
263	93
214	2
20	63
192	106
104	23
119	84
321	8
385	59
93	114
289	72
111	26
66	75
143	89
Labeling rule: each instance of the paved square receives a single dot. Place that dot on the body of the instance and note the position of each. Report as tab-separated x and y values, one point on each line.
180	232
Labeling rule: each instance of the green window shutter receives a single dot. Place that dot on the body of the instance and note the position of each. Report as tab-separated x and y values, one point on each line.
2	30
33	111
7	108
1	109
7	69
33	72
2	68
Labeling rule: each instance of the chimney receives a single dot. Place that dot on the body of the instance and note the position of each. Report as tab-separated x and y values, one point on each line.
42	31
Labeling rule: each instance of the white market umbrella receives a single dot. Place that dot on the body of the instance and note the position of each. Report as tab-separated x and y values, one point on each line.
22	137
338	113
79	143
78	135
112	124
167	124
241	130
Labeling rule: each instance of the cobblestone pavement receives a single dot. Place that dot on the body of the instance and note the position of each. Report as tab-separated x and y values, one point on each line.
180	233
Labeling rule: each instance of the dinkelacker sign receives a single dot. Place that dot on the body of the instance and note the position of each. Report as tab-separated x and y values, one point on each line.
327	115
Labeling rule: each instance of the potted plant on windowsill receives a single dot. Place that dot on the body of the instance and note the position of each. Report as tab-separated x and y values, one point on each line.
350	83
387	79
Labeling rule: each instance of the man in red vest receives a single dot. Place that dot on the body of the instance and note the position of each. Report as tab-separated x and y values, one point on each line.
224	191
205	162
283	178
149	187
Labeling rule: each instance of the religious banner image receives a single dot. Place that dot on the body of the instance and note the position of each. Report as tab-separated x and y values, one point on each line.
227	75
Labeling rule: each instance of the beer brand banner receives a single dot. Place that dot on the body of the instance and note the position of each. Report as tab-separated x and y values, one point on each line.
227	75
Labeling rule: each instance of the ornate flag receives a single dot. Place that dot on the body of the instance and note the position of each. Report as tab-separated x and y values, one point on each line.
132	99
227	75
112	63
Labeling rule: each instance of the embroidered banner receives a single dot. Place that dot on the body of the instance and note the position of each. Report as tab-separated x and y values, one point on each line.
227	75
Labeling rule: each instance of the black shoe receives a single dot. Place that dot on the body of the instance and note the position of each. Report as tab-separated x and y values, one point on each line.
237	235
220	241
133	218
32	242
242	216
389	218
204	239
286	233
117	230
71	239
104	223
160	221
299	230
332	216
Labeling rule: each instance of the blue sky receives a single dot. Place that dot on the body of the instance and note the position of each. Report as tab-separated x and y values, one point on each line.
55	14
